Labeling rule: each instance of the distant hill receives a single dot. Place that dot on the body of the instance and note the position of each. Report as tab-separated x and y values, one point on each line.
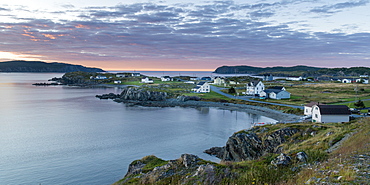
293	71
38	66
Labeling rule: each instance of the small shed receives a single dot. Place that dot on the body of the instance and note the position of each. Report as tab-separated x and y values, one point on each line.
330	113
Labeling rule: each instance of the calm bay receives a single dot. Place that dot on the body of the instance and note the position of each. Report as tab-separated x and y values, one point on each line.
64	135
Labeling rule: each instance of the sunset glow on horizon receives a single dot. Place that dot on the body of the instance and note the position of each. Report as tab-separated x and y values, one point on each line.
187	35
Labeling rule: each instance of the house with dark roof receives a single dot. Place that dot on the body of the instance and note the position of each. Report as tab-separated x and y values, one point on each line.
330	113
166	79
308	107
202	87
275	94
255	88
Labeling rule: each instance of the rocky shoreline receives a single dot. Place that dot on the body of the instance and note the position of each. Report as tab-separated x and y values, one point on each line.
180	102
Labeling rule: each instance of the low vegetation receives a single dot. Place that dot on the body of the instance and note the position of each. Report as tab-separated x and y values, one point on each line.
325	163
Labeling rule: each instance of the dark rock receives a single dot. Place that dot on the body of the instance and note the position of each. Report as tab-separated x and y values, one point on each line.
302	157
248	146
243	146
108	96
139	94
275	139
216	151
187	98
281	160
189	160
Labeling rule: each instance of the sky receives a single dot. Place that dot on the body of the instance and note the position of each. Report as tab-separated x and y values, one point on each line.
187	35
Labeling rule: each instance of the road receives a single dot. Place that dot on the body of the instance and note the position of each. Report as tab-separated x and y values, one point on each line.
248	98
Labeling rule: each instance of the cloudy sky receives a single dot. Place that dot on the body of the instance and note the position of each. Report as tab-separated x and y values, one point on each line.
188	34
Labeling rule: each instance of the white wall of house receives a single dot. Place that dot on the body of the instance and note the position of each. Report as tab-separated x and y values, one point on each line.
146	80
205	88
165	79
219	81
307	110
255	89
346	80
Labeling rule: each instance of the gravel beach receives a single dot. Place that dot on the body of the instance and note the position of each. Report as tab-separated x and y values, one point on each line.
274	114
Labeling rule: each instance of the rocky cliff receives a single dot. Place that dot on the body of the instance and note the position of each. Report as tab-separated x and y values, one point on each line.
139	94
248	146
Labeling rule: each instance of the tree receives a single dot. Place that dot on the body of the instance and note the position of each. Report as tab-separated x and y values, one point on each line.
359	104
232	90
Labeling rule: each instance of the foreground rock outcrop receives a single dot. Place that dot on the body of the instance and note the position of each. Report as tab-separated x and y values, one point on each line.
248	146
188	169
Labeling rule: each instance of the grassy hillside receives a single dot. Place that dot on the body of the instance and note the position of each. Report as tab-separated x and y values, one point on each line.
306	71
337	153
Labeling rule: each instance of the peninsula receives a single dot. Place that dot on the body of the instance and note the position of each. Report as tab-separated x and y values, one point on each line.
43	67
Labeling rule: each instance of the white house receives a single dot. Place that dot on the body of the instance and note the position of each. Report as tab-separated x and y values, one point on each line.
308	107
219	81
194	78
362	80
117	81
146	80
255	88
330	113
233	83
166	79
294	78
120	75
202	87
135	74
275	94
100	77
345	80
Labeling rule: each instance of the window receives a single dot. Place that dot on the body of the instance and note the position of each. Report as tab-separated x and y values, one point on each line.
316	116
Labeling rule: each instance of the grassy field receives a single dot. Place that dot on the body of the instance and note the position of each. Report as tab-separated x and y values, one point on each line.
328	93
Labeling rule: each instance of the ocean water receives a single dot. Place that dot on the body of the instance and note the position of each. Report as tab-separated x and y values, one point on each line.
64	135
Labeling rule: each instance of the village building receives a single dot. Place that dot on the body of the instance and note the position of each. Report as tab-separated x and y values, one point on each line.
278	88
100	77
268	77
276	94
117	81
255	88
120	75
219	81
362	80
294	78
146	80
330	113
166	78
207	78
308	108
202	87
135	74
346	80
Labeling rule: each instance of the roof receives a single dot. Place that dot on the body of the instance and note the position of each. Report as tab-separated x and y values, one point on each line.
272	90
334	110
201	83
277	87
254	82
313	103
